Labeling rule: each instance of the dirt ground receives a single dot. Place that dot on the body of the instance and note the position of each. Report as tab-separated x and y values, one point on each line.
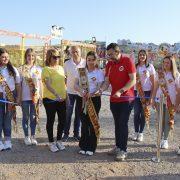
37	162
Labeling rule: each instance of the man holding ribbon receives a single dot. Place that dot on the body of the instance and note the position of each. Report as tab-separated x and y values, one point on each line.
121	75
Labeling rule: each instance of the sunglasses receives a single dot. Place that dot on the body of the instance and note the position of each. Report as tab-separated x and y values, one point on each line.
56	57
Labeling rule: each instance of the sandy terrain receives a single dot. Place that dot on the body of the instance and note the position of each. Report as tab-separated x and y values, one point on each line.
33	162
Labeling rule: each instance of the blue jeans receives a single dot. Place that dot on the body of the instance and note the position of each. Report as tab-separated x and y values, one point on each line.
139	118
28	112
72	98
5	120
121	112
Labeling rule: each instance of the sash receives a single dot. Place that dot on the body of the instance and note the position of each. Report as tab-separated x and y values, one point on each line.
143	99
10	97
170	106
33	92
88	104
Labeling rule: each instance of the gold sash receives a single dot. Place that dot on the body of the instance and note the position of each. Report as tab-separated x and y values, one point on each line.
89	106
143	99
33	91
170	106
10	97
29	80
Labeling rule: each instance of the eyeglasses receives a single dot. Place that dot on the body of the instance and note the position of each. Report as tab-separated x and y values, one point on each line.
109	55
56	57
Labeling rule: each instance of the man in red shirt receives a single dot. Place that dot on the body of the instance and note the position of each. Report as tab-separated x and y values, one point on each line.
121	75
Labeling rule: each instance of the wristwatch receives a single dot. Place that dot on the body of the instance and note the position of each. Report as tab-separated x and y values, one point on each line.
121	91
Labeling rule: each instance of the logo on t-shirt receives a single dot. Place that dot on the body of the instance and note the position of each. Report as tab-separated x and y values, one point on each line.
170	81
93	78
121	68
145	72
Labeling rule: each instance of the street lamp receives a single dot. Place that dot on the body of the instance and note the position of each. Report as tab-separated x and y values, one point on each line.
57	32
93	40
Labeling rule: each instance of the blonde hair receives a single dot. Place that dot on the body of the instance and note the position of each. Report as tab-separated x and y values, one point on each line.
29	50
49	54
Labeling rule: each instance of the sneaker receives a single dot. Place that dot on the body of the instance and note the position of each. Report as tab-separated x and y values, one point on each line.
165	145
60	145
65	138
53	147
113	151
1	146
121	155
161	143
82	152
33	140
7	145
135	136
140	137
77	138
178	152
27	141
89	153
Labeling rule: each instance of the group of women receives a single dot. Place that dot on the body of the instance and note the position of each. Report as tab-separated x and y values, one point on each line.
30	86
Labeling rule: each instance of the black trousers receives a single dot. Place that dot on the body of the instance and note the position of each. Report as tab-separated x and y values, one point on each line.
121	112
88	141
53	107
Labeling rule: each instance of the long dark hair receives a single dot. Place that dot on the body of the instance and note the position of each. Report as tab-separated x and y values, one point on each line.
91	53
9	65
173	69
146	61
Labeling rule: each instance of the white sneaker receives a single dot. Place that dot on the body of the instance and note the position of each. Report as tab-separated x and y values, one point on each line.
7	145
178	152
161	143
27	141
82	152
60	145
140	137
113	151
89	153
135	136
121	156
33	140
165	145
1	146
53	147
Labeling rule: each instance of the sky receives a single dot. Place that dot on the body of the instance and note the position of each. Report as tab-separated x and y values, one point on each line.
146	21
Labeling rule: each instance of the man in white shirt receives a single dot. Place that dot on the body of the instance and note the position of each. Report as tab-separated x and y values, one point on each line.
70	68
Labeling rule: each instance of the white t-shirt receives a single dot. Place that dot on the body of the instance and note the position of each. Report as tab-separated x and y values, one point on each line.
35	74
9	79
172	84
70	69
95	78
145	73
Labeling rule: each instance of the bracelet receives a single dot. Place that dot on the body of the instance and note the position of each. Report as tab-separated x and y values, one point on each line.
121	91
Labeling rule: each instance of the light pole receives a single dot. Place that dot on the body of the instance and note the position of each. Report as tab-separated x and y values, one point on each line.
57	33
93	40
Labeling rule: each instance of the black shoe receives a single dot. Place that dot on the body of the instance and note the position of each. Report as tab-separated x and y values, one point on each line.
65	138
77	138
